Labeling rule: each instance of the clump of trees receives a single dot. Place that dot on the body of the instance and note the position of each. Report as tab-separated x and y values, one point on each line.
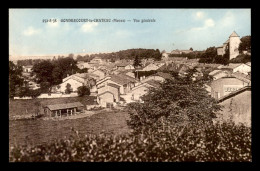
137	62
49	73
211	56
177	101
245	44
15	78
83	90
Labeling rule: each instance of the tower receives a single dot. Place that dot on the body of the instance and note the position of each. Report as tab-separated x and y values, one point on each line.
234	42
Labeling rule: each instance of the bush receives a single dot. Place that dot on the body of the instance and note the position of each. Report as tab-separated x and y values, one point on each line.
83	90
242	58
219	142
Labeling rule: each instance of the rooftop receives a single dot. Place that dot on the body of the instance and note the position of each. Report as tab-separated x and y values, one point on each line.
234	34
153	83
64	106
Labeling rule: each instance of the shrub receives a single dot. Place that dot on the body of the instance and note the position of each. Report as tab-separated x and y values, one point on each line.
83	90
219	142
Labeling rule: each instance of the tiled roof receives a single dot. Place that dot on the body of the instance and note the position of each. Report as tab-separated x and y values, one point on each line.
214	72
153	83
113	85
64	106
164	75
122	79
231	66
241	76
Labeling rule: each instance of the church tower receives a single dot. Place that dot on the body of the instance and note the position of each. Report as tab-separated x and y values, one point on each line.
234	42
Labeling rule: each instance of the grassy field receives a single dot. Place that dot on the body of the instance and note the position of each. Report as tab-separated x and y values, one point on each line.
112	122
41	131
19	107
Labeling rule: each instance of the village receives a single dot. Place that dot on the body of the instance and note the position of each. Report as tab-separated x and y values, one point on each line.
130	85
116	84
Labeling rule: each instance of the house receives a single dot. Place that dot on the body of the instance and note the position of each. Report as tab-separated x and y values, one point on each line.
125	82
108	94
82	65
97	60
177	51
152	66
129	66
159	76
63	109
77	80
225	85
216	74
231	45
100	73
179	68
27	68
237	67
143	88
236	106
165	56
124	65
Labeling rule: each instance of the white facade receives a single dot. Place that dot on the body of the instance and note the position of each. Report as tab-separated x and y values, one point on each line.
129	66
138	92
243	68
74	85
234	42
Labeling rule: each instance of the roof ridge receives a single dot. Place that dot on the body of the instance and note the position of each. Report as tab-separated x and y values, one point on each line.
234	34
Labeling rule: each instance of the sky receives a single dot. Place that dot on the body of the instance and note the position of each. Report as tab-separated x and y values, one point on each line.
172	29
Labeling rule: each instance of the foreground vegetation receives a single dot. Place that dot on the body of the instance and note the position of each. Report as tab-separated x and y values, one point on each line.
220	142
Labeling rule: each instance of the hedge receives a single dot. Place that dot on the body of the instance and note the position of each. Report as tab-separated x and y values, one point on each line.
219	142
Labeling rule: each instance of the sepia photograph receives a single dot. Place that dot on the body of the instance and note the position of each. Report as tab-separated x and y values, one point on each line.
130	85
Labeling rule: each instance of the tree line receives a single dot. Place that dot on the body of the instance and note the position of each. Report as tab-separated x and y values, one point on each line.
124	54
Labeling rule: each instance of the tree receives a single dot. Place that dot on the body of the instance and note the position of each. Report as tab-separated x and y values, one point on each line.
178	101
191	49
62	68
68	88
15	78
83	90
245	44
43	71
157	55
137	62
242	58
209	55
